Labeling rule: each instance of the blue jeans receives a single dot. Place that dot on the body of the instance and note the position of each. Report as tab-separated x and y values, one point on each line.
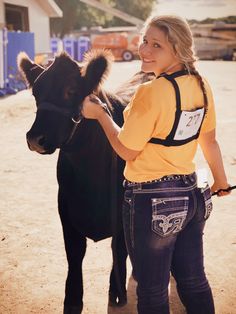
163	222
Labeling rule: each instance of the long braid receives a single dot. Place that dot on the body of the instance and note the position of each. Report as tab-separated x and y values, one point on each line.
201	83
179	34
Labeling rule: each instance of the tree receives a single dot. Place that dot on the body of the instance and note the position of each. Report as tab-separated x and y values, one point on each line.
228	20
231	19
77	14
139	8
61	26
88	16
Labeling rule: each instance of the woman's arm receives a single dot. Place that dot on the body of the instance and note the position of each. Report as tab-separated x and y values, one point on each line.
212	154
92	110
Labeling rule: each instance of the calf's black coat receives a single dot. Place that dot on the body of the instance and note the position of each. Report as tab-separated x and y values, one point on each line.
89	173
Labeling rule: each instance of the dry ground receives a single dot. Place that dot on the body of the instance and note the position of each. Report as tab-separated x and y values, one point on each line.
33	264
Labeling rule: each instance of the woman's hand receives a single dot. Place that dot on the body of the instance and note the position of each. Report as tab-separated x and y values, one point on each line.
92	108
217	187
212	153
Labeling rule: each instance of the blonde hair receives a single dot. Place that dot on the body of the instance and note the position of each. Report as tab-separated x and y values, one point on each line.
179	35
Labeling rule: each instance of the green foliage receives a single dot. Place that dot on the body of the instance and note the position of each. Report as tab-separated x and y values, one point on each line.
88	16
77	14
61	26
227	19
139	8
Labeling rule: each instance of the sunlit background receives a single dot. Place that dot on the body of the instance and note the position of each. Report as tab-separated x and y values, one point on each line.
197	9
33	262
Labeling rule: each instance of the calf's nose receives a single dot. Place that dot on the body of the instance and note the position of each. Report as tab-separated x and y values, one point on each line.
35	143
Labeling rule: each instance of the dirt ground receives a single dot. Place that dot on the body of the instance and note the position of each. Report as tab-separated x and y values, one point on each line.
32	258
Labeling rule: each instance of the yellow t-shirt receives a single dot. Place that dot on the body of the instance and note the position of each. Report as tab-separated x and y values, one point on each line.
151	113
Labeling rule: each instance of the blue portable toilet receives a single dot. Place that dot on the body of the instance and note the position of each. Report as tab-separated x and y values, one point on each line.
15	42
55	44
3	64
82	45
68	46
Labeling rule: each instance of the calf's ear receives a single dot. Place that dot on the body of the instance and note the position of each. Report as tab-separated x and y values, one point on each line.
95	69
29	70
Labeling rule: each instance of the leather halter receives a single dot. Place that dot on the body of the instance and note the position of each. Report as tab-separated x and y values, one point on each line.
76	119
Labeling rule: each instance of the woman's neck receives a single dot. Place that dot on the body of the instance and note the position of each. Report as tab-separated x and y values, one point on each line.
174	68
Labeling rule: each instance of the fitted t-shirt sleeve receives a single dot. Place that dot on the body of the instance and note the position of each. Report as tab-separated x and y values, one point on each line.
140	118
209	122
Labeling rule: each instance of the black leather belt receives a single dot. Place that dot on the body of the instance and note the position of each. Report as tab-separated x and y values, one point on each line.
191	176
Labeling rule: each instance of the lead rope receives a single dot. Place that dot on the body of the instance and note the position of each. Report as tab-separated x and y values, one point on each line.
114	207
224	190
114	221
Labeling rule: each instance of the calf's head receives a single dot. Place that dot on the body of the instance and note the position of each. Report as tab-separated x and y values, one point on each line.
59	91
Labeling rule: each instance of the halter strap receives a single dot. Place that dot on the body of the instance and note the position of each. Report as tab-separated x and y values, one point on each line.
76	119
51	107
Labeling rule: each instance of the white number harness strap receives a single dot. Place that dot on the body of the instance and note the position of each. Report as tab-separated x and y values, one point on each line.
187	124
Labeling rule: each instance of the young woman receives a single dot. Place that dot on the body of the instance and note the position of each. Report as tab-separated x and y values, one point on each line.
164	211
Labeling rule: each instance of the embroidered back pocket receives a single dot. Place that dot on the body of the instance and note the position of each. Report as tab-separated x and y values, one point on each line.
169	215
207	201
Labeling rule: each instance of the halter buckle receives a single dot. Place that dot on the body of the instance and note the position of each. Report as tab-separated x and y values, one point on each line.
77	121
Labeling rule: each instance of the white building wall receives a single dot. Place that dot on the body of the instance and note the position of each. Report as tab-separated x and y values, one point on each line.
2	18
39	25
38	22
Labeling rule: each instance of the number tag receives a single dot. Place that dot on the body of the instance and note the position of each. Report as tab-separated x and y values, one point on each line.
189	124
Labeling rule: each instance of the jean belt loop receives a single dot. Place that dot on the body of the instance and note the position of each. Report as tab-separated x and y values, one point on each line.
137	187
192	177
185	179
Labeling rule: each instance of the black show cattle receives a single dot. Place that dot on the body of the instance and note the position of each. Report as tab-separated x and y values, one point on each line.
89	173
